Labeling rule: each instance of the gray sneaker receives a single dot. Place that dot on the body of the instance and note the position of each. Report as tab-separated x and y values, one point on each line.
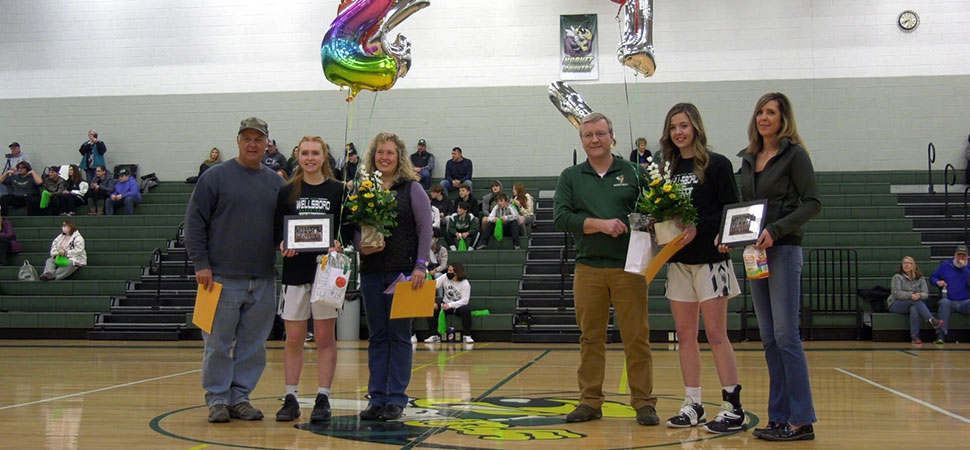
219	413
647	415
245	411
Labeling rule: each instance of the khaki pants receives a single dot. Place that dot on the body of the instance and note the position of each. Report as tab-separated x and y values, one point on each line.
594	289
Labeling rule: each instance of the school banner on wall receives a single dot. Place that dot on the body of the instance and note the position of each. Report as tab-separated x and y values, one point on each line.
578	59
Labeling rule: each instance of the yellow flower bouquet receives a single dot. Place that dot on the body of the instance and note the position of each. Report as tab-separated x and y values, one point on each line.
373	208
665	200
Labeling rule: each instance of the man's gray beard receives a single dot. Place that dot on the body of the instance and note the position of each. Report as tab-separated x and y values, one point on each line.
958	264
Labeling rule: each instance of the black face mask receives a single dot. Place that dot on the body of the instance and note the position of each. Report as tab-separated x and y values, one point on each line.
451	276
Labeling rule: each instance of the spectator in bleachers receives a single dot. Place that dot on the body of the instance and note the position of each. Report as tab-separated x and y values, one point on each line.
908	296
640	154
54	184
215	157
462	225
293	162
423	162
67	254
99	189
125	193
700	279
438	262
786	179
458	171
23	189
349	171
73	194
274	159
8	240
489	200
526	206
441	203
465	195
456	292
92	154
510	222
953	278
15	156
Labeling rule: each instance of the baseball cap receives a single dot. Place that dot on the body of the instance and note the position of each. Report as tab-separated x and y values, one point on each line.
352	151
254	123
123	172
14	144
961	249
422	142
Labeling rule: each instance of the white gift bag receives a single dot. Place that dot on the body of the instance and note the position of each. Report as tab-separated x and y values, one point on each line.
330	282
643	247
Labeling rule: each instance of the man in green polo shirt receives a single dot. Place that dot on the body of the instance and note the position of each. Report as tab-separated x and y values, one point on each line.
592	202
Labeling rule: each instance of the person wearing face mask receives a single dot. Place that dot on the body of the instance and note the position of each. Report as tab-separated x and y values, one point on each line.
953	278
456	291
67	254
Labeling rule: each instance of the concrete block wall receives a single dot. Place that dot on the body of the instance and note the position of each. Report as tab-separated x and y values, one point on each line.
164	82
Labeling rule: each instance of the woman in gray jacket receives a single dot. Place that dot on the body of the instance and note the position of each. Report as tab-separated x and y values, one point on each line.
776	167
909	294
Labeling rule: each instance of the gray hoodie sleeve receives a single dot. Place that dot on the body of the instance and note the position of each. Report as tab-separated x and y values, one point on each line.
198	217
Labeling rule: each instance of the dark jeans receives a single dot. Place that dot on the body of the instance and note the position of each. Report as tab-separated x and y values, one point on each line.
97	196
469	241
465	312
67	203
512	229
4	250
32	202
389	342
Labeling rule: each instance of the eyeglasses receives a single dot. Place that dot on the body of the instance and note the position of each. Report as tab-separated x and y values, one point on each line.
599	135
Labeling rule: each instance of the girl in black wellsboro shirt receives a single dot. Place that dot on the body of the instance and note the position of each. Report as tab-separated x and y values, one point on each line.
699	278
312	190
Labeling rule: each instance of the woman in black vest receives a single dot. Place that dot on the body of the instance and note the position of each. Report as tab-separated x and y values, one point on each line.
405	252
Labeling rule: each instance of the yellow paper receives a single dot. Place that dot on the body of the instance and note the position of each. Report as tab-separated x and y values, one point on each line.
658	261
408	302
205	306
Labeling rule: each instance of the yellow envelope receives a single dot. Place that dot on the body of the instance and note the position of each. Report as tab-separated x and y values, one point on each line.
205	306
408	302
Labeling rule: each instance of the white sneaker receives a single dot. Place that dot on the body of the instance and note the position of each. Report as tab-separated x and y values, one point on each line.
431	340
468	340
414	339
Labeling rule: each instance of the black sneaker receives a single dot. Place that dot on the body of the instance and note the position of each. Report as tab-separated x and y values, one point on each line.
805	433
935	323
321	409
290	410
771	428
584	413
691	415
728	420
371	412
391	412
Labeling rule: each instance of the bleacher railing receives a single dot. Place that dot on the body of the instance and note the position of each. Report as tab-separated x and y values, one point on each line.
833	281
930	159
949	179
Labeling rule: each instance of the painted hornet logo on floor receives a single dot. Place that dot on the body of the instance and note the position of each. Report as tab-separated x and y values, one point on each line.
488	419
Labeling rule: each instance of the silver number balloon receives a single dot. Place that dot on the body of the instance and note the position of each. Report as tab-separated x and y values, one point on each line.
636	39
569	102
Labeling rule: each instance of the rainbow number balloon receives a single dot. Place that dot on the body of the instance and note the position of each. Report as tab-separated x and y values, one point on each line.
355	52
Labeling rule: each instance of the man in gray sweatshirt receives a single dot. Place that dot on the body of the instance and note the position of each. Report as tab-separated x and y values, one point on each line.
229	236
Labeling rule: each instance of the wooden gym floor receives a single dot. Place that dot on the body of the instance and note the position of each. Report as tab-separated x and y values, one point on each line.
121	395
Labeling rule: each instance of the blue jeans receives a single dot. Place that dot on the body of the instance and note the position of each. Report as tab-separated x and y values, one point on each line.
918	313
244	315
389	342
425	178
777	300
448	187
128	201
947	307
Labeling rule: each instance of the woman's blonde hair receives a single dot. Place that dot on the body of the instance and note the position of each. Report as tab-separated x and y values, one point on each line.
788	129
218	158
405	171
297	179
917	272
670	151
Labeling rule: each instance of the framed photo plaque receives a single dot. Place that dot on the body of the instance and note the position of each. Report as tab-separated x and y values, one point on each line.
308	233
741	223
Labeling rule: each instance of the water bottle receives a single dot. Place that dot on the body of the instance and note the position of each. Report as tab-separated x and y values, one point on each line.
943	292
755	263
